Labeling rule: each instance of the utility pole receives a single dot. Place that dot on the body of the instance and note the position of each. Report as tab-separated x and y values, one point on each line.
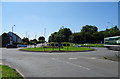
45	32
35	36
26	34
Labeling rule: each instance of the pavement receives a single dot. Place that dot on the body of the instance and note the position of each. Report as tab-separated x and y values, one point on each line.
73	64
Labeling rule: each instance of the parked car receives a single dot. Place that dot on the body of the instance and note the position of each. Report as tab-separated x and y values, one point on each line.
19	45
86	44
11	46
75	45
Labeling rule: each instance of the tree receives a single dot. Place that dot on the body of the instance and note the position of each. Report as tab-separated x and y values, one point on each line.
66	32
98	37
76	38
89	28
112	32
52	37
25	40
63	35
41	39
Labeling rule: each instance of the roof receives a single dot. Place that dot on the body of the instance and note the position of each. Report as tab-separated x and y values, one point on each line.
14	34
112	37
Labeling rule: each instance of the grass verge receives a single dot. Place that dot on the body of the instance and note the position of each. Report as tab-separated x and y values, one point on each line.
93	45
7	72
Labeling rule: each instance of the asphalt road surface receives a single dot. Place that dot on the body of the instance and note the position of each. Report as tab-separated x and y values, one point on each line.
72	64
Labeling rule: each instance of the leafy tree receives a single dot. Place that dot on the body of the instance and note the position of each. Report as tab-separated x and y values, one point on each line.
63	35
25	41
89	28
52	37
98	37
66	32
41	39
112	32
76	38
88	34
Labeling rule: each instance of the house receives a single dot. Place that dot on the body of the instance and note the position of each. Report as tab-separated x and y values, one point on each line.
4	39
9	38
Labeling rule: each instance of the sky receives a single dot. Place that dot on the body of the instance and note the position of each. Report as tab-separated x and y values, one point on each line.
35	17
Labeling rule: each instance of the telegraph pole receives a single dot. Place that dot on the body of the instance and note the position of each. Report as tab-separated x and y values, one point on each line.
26	34
45	32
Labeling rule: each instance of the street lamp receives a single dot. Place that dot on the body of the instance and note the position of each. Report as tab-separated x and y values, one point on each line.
12	33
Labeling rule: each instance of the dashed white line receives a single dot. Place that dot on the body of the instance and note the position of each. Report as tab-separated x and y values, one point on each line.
78	65
53	58
72	58
92	58
72	63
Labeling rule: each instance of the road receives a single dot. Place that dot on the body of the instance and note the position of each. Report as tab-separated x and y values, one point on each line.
73	64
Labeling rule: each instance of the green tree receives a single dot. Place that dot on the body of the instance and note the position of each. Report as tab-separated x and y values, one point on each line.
41	39
76	38
52	37
98	37
65	32
112	32
25	41
89	28
63	35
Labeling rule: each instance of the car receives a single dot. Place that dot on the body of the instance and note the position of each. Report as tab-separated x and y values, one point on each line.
75	45
85	43
19	45
11	46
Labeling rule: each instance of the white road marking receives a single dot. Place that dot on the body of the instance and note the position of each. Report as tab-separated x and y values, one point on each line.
92	58
53	58
71	63
78	65
72	58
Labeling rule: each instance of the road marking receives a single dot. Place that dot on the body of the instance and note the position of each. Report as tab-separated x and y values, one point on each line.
78	65
72	58
53	58
92	58
71	63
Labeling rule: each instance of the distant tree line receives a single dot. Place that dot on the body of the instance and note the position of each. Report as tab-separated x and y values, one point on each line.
88	34
26	41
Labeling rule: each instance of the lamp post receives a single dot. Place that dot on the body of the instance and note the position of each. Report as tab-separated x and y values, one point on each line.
12	34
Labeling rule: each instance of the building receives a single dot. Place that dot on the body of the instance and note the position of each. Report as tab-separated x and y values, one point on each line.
15	37
4	39
9	38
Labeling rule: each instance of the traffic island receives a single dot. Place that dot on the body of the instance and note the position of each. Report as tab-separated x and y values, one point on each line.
63	49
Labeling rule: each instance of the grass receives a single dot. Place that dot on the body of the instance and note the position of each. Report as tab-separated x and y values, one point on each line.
8	73
71	44
93	45
57	49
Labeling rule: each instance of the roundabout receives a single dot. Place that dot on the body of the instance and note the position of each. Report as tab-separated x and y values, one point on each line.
63	49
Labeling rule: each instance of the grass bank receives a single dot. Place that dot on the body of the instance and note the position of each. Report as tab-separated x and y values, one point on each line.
64	49
93	45
8	73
